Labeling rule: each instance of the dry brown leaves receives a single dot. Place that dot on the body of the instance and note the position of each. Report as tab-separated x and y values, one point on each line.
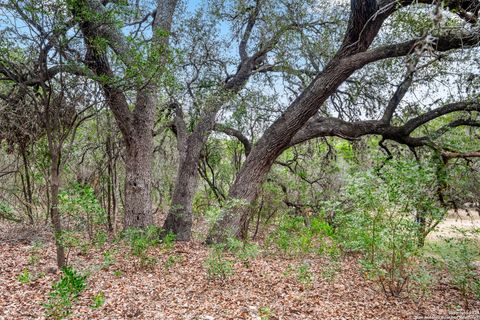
185	292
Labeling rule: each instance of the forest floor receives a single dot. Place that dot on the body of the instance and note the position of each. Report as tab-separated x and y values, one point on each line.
269	288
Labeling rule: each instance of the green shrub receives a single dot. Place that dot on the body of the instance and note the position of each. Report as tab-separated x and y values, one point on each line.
386	217
294	237
64	292
172	261
98	300
108	258
168	240
304	275
25	277
244	251
71	240
81	204
100	238
460	257
140	241
218	267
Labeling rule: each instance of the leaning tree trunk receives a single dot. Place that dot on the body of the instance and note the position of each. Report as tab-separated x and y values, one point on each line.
179	218
360	33
138	181
275	140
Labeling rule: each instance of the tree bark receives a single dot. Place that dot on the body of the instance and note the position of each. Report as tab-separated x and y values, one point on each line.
54	211
179	218
27	186
138	180
110	185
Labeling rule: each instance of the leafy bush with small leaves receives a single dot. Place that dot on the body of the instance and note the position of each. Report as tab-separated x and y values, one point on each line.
82	206
6	212
304	274
460	258
386	217
118	273
25	277
168	240
108	258
64	293
218	266
244	251
295	236
72	240
140	241
100	238
172	261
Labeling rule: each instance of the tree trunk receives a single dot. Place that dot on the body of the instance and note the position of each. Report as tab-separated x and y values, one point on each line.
54	212
27	187
110	185
179	218
138	181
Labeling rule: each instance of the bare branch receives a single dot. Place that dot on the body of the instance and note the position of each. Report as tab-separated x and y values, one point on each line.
237	134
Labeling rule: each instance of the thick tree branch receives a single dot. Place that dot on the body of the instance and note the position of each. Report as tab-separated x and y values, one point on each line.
447	42
330	126
237	134
414	123
397	97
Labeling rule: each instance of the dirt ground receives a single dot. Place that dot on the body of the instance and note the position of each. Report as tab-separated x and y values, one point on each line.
460	219
267	288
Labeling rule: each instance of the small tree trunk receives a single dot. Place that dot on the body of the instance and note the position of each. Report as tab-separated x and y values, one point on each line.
179	218
54	212
27	186
110	189
138	167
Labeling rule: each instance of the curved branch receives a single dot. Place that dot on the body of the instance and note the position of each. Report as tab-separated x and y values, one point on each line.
413	124
237	134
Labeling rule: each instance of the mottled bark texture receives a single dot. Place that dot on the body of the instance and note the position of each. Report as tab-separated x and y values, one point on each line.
135	125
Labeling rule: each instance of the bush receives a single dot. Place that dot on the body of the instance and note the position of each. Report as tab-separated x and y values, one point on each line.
141	241
172	261
304	275
98	300
25	277
218	267
459	257
168	240
82	206
386	217
244	251
294	237
64	293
